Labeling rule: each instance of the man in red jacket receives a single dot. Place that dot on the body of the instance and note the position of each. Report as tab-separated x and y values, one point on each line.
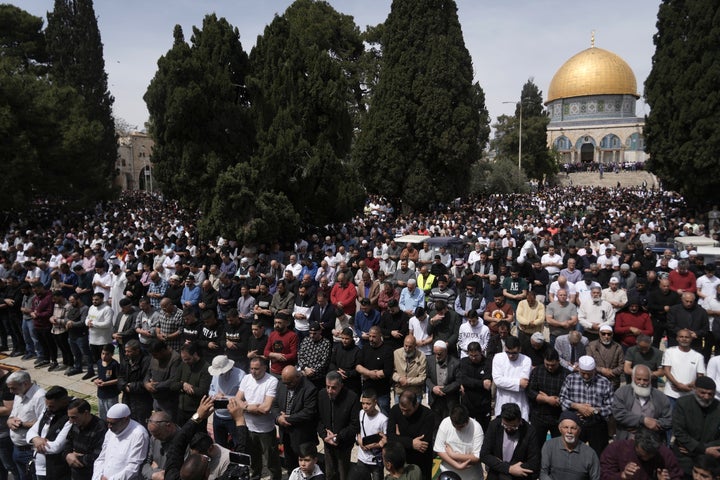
631	322
282	345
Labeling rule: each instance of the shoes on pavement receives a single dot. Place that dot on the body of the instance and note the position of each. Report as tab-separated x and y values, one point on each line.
29	356
88	375
72	371
17	354
54	366
41	363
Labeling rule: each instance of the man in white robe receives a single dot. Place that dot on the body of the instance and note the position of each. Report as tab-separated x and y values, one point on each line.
511	373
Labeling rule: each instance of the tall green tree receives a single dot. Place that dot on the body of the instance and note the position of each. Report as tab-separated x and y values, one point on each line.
43	125
199	113
427	121
305	89
76	55
681	130
538	161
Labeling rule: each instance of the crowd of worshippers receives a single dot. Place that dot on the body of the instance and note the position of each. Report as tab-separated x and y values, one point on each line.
534	434
555	304
521	365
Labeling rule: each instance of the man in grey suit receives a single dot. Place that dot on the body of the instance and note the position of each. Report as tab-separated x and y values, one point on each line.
570	347
442	382
639	404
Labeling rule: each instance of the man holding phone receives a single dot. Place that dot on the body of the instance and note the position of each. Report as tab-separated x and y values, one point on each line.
224	385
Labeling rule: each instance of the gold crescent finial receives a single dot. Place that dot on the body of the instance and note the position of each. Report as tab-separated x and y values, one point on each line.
592	39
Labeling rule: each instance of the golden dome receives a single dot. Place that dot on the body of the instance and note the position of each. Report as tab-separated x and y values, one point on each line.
593	72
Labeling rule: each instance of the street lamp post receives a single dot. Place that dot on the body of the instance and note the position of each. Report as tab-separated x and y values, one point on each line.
519	141
519	138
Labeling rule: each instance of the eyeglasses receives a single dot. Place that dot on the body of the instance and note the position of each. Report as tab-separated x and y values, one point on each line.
606	334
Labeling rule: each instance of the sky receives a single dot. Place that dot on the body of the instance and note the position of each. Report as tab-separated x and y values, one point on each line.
509	41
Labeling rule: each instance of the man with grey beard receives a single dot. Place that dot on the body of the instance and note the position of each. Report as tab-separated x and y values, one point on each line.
566	457
639	404
696	425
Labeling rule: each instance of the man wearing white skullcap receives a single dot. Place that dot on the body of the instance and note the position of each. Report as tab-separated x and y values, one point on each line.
590	396
608	356
443	380
124	449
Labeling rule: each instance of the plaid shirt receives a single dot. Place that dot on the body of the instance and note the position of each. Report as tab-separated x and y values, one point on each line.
169	324
549	383
598	393
160	288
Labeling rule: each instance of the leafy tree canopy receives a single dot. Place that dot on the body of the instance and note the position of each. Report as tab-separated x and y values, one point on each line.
538	161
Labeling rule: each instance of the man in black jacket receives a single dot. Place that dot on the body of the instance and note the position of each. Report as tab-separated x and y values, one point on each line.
124	325
323	313
339	423
445	325
343	359
413	425
50	430
84	440
295	411
131	382
660	301
475	383
443	381
525	459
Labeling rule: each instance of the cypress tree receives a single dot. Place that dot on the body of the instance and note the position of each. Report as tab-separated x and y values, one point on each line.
427	121
199	112
76	55
681	134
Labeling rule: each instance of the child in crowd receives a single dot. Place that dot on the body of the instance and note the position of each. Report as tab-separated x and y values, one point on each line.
371	439
107	390
308	469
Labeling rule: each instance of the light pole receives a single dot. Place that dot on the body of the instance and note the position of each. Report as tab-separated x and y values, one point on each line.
522	100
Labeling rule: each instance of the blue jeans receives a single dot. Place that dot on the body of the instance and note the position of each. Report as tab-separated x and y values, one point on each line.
383	402
223	429
80	349
301	335
22	458
7	464
31	342
104	405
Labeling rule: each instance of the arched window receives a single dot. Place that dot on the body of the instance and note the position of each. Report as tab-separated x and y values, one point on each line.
563	143
635	142
610	142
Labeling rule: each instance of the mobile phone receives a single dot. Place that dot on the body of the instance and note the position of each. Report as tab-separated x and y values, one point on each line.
239	458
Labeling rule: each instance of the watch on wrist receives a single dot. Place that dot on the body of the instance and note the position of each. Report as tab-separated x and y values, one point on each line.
195	418
595	411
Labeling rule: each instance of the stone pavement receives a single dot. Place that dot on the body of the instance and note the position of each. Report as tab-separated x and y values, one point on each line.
626	178
75	384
